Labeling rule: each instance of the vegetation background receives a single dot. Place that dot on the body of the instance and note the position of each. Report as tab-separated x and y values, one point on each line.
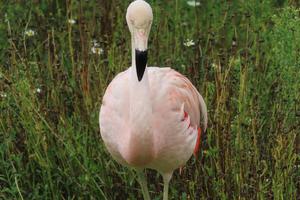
57	57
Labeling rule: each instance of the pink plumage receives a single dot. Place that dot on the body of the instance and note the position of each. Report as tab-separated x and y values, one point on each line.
173	135
150	117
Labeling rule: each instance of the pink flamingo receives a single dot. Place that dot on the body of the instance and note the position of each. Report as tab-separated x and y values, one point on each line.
150	117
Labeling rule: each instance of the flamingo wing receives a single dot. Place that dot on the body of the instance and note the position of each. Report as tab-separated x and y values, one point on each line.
179	110
114	110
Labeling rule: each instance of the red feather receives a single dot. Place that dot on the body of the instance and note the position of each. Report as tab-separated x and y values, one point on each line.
197	146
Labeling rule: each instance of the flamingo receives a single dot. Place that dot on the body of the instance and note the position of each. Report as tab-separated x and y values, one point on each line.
150	117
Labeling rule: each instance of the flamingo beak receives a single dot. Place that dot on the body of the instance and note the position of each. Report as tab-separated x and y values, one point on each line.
141	62
141	53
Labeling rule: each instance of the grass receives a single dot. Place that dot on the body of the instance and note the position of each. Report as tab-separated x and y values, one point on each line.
245	62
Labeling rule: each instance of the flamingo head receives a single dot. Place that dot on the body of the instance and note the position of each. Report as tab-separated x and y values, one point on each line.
139	19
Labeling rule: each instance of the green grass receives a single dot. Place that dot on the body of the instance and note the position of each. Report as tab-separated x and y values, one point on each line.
245	62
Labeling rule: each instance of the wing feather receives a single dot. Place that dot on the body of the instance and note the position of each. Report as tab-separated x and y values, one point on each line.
172	96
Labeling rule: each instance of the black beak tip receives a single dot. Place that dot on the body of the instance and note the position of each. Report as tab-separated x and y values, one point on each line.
141	62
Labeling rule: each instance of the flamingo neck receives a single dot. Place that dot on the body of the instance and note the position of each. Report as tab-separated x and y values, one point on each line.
140	98
139	147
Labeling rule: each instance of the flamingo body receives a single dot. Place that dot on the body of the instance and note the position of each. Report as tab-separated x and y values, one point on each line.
174	136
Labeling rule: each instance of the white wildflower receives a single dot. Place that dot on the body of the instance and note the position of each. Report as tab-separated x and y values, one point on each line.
97	50
29	33
71	21
215	66
39	90
189	43
95	43
3	95
193	3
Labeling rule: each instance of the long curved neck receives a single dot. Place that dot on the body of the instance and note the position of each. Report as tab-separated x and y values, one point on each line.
140	116
140	97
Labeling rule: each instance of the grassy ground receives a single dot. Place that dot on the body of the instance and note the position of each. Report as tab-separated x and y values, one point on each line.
245	62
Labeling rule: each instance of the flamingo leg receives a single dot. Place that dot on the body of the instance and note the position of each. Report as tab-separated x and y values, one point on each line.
166	177
143	182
